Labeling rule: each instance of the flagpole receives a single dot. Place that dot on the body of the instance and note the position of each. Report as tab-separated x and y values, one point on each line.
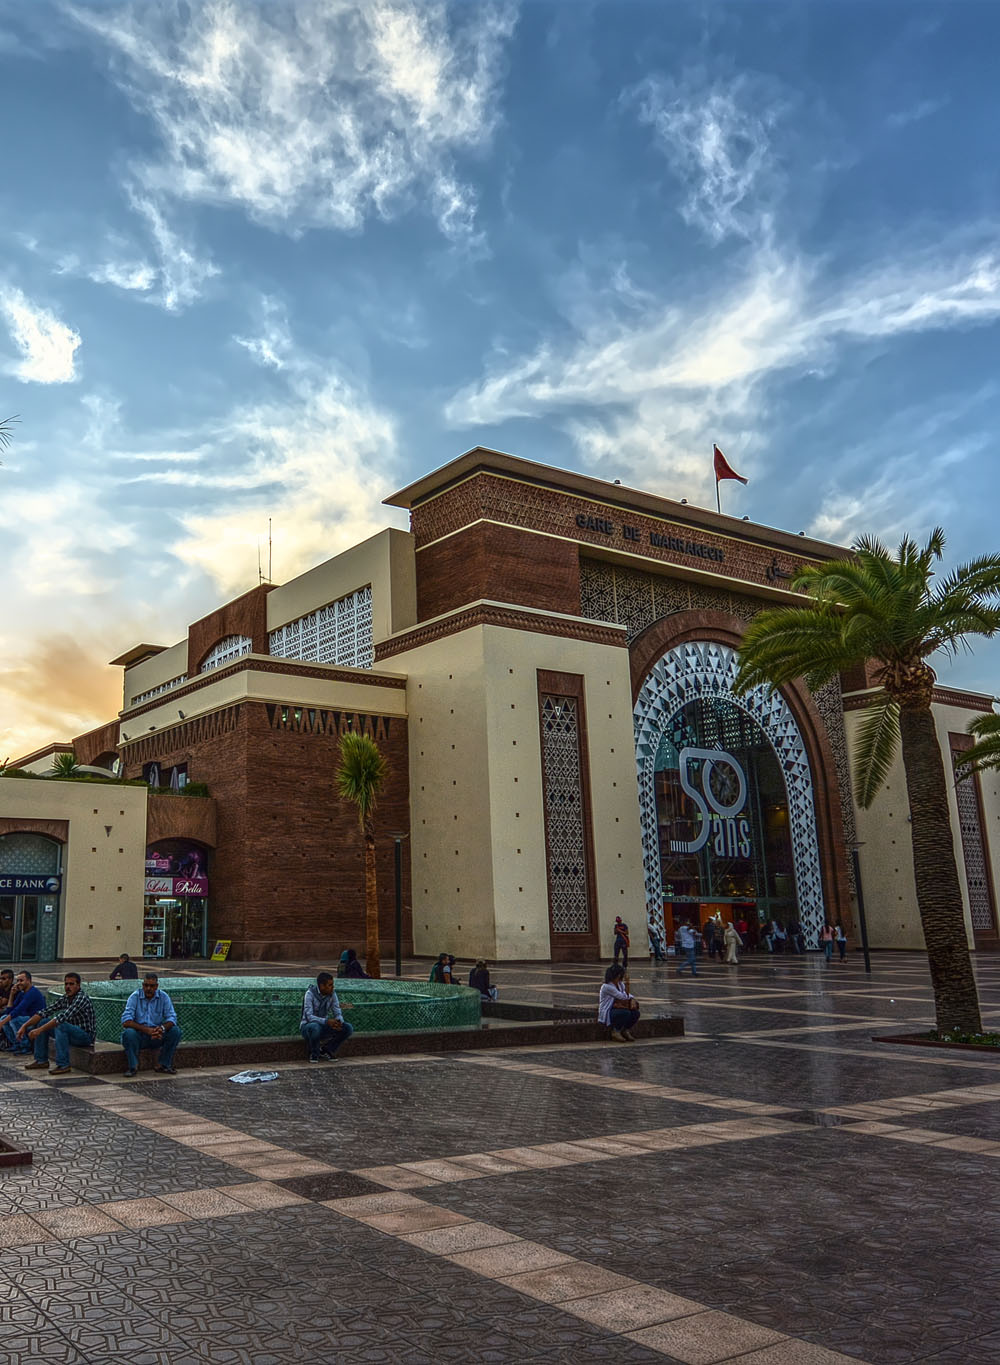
718	498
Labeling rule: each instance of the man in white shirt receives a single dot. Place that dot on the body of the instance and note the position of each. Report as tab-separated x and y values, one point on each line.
685	942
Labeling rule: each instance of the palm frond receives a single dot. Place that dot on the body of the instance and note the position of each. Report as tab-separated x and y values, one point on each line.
979	578
786	643
6	432
875	747
986	754
361	773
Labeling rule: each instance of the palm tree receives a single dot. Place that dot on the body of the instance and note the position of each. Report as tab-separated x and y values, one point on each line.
64	765
361	773
986	753
881	609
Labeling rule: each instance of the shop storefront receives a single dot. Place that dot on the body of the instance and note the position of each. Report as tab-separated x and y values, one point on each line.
30	893
175	905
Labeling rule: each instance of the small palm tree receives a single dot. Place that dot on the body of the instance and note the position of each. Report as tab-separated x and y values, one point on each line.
64	765
986	753
361	774
881	608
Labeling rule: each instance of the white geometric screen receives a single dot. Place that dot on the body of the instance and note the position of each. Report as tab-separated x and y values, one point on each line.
232	647
567	849
339	633
706	669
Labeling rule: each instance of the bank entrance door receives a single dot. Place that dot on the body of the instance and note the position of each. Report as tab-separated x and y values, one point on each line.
19	929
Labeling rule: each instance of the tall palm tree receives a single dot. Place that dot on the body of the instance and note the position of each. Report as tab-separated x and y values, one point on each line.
7	425
882	609
361	774
985	753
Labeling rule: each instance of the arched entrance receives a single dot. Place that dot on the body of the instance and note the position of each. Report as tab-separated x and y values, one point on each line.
30	889
725	794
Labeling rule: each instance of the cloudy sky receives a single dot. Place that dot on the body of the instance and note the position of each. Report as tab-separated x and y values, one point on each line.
278	259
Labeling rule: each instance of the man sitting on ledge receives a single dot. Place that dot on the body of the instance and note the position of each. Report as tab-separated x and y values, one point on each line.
150	1020
70	1020
323	1024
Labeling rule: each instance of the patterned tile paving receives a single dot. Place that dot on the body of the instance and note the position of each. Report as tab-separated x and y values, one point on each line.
776	1190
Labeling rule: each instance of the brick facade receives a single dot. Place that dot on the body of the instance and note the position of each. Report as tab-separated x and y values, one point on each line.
286	877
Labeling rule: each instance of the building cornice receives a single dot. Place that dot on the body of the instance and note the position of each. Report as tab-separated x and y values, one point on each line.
485	613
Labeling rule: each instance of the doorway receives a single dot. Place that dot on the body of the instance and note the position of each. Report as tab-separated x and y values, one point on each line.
19	928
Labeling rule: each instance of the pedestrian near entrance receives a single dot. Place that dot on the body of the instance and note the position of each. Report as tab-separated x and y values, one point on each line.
26	1002
656	945
685	942
826	941
616	1008
621	941
149	1020
733	942
841	938
71	1023
323	1025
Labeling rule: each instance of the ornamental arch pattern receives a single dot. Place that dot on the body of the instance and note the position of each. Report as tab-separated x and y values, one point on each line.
703	669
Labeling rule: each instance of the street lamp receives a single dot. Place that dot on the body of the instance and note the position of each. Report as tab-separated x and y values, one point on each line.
398	868
862	922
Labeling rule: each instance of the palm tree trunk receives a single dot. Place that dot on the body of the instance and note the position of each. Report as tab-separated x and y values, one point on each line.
939	895
373	959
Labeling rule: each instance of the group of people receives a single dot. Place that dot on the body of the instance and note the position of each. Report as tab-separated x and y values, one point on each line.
443	972
149	1021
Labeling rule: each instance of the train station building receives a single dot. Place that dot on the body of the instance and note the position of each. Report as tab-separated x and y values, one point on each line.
547	662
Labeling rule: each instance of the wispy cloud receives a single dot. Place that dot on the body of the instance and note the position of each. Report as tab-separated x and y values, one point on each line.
47	345
717	142
649	388
313	113
916	113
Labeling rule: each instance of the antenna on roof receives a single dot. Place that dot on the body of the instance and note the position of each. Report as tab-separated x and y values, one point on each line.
260	576
269	549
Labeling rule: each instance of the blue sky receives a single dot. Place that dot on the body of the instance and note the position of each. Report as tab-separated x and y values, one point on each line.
278	259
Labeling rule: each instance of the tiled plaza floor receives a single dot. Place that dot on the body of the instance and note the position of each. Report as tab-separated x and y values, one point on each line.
774	1189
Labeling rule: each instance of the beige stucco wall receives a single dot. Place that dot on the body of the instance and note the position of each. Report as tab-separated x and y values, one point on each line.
886	857
103	873
161	668
478	833
357	693
385	560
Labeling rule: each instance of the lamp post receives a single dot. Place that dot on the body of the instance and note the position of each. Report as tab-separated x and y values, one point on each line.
862	922
398	868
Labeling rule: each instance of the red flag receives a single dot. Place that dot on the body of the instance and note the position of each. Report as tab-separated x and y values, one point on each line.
723	469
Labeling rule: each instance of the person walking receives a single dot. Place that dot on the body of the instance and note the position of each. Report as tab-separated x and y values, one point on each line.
685	942
708	933
841	939
826	941
621	941
733	941
615	1007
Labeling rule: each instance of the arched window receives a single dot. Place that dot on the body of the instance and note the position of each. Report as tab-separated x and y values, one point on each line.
232	647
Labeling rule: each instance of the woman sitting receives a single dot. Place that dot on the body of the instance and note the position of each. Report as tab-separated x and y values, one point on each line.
352	967
479	980
616	1008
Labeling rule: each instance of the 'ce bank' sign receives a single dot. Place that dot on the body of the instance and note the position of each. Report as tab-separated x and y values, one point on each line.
732	835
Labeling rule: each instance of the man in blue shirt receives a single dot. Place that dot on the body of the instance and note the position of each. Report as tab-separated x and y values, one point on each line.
323	1025
26	1002
149	1020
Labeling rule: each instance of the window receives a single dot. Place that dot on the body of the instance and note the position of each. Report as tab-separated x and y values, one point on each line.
339	633
232	647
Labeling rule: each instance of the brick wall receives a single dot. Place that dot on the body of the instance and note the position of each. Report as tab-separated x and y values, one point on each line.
286	880
499	563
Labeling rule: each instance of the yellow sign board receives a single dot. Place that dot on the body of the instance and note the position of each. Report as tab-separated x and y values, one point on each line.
221	950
